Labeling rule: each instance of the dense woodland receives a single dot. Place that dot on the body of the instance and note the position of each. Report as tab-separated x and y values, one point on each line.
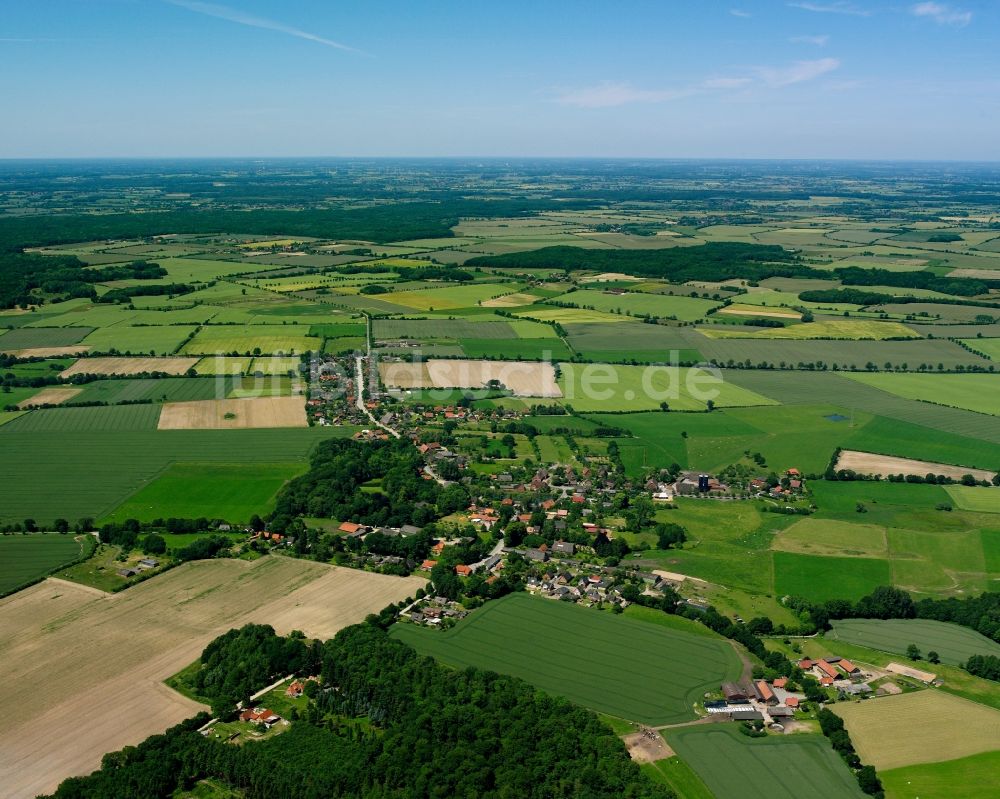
331	489
23	276
397	725
714	261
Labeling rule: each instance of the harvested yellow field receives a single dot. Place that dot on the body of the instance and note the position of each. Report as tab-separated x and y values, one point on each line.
49	352
405	375
511	301
523	378
924	727
50	396
234	414
86	669
129	366
758	310
871	463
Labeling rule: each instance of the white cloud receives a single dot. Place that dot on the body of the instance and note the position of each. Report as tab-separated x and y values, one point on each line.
819	41
798	72
739	12
241	18
726	83
835	7
942	13
608	94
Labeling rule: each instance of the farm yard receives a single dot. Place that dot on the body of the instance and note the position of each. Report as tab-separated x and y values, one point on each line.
634	670
87	646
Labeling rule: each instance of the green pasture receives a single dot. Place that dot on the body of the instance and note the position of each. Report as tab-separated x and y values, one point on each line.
230	491
620	666
30	337
87	473
251	339
972	777
973	392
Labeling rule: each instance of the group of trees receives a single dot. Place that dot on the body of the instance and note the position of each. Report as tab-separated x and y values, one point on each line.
332	487
395	724
833	728
28	278
962	287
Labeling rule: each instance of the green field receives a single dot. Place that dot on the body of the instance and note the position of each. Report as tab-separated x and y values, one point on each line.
973	392
161	340
609	387
990	347
954	643
87	419
166	389
972	777
443	298
834	329
73	474
251	340
29	337
734	766
620	666
24	558
230	491
684	309
821	578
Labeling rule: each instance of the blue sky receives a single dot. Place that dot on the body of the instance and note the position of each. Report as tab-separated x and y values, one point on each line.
761	79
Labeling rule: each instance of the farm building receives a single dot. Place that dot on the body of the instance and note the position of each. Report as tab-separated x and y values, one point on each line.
734	692
764	693
352	530
295	689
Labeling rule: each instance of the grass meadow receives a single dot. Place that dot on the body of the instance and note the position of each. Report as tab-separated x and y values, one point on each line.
619	666
954	643
972	777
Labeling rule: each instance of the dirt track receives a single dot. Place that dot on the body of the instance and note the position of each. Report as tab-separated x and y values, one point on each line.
85	672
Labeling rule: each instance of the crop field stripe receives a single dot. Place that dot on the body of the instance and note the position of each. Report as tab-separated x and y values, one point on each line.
795	388
88	419
952	642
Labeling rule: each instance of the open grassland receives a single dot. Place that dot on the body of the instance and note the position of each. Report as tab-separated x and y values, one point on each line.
104	658
609	387
989	347
251	339
853	330
974	498
872	463
73	474
129	366
923	727
231	414
828	537
24	558
954	643
734	766
631	669
973	392
443	298
230	491
972	777
821	578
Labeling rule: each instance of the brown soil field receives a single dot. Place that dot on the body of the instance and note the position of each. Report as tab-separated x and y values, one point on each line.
85	671
129	366
50	396
647	748
870	463
923	727
510	301
246	413
48	352
405	375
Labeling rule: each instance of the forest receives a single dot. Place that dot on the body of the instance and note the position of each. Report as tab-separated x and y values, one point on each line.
397	725
714	261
